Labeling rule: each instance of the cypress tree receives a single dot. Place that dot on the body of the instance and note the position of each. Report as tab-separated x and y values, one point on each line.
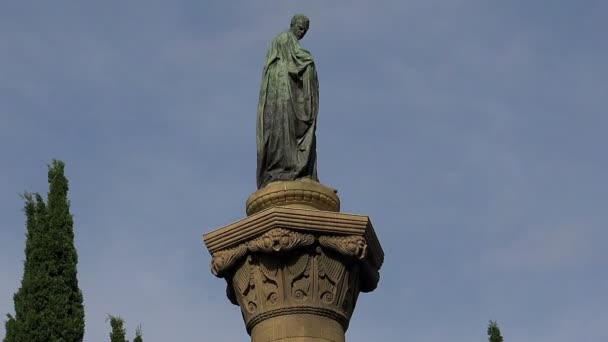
118	333
48	305
65	308
138	335
494	332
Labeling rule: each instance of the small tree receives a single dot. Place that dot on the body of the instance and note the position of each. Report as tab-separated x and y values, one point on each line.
494	332
138	335
118	333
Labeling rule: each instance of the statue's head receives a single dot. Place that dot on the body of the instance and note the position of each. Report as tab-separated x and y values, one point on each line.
299	25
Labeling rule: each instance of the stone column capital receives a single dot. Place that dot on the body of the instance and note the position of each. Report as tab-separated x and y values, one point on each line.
285	264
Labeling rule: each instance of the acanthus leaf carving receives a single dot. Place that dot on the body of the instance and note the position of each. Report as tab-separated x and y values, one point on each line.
243	277
353	246
223	260
313	280
276	240
280	239
244	283
331	271
287	269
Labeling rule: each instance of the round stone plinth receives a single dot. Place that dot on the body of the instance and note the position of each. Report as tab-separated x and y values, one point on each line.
305	194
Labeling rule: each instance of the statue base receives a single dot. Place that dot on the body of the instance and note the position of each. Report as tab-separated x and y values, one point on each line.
296	273
304	193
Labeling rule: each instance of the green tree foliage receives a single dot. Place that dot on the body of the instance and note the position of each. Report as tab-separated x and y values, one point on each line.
48	305
138	335
118	334
494	332
10	329
12	326
27	302
66	301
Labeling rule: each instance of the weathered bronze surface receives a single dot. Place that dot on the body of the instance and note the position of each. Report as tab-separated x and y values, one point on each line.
287	110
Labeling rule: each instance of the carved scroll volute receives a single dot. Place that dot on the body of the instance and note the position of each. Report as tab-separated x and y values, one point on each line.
226	259
270	281
298	277
352	246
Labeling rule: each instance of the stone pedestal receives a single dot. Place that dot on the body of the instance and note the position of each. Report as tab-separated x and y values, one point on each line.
295	265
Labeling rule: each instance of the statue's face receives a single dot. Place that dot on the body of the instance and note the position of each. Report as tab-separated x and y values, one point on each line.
300	28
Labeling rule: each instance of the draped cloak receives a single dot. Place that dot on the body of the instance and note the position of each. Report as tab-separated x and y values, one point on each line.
287	113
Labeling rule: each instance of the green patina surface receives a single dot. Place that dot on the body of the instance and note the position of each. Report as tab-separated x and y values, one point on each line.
287	110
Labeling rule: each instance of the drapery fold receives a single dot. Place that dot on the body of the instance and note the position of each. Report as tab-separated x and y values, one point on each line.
287	113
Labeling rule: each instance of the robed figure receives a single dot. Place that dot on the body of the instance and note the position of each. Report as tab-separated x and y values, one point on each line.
287	110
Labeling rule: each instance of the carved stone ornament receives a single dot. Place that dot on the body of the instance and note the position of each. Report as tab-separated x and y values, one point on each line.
275	240
354	246
296	270
284	272
280	240
307	281
225	259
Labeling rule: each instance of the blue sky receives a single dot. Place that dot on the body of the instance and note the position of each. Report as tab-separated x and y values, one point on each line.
472	132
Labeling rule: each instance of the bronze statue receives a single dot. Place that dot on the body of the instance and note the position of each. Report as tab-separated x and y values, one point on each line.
287	110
